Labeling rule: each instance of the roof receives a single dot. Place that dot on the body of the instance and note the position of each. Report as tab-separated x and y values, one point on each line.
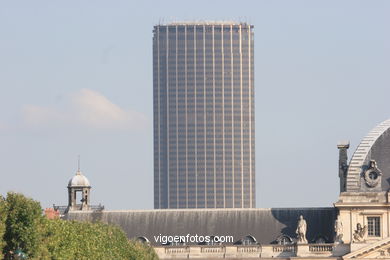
374	146
265	225
79	180
200	22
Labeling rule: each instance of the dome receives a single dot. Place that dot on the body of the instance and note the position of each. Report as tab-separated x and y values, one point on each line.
375	146
79	180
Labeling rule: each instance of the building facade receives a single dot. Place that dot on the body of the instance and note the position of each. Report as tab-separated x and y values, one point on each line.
357	227
204	131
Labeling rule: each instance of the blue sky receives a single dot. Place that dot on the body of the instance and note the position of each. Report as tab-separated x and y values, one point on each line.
76	78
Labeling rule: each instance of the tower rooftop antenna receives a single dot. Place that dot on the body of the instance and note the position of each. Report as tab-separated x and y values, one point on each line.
78	163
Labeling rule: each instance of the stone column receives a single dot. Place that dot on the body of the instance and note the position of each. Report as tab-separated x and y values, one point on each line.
343	163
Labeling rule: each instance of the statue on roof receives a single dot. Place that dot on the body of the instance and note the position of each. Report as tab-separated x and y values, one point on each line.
301	231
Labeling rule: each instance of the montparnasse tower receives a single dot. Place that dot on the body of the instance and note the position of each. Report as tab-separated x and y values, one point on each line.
204	120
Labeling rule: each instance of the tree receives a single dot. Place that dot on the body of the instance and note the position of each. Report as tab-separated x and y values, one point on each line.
142	251
3	216
22	224
26	229
84	240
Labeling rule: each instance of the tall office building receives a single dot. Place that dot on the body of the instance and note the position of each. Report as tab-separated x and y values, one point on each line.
204	123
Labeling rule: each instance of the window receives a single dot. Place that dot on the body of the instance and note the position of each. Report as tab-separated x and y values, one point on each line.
248	240
284	240
374	229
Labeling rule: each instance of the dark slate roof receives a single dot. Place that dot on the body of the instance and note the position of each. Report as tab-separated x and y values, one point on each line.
374	146
266	225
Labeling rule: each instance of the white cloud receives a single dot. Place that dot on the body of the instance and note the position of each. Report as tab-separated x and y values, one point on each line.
36	115
84	108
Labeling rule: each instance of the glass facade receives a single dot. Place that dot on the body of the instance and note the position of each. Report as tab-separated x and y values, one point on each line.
203	89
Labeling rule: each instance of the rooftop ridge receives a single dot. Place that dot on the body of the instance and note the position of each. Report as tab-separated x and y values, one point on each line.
209	210
200	22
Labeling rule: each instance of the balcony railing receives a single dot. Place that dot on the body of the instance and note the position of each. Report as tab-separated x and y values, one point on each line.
212	249
177	250
249	249
284	248
320	248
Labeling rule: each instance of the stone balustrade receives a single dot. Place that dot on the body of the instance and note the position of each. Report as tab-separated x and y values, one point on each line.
213	249
284	248
251	251
177	250
321	248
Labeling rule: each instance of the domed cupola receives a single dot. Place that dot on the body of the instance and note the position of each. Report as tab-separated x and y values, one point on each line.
79	180
78	187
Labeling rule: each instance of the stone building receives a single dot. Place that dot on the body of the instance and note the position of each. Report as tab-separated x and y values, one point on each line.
357	227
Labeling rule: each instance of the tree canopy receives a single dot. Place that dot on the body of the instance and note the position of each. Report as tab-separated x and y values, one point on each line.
24	228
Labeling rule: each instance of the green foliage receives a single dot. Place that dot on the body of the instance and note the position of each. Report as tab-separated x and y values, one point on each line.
83	240
142	251
23	227
3	216
23	220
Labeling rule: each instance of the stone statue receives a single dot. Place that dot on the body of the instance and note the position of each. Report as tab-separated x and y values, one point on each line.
338	229
301	231
360	233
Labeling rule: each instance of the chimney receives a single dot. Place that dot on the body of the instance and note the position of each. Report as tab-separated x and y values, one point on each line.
343	163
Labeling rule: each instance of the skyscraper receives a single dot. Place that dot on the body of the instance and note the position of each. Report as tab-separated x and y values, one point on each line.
204	123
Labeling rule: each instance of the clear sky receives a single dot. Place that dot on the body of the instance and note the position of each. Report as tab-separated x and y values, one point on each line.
76	78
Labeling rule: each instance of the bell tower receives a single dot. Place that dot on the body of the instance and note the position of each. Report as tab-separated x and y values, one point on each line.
79	187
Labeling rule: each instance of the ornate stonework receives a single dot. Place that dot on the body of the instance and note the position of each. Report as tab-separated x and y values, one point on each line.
338	230
360	233
374	250
372	175
384	253
301	231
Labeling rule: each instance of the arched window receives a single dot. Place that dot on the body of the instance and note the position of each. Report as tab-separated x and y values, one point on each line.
178	243
248	240
284	240
142	240
212	242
